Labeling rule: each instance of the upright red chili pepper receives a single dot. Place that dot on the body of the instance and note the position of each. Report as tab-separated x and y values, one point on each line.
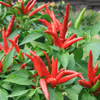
36	10
43	85
64	25
9	28
54	68
48	61
90	68
38	67
4	40
22	7
31	6
26	8
44	69
95	69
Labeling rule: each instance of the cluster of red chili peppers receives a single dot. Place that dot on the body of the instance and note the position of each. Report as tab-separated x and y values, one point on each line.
56	26
7	49
53	76
27	9
93	79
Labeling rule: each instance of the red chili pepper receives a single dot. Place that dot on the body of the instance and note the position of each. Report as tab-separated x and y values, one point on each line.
95	69
44	69
15	40
57	40
8	68
70	38
44	88
1	66
4	40
48	61
54	21
16	47
50	80
61	70
45	23
54	68
67	78
22	6
5	4
64	25
9	29
23	66
90	68
31	6
96	79
38	67
26	8
69	72
36	10
66	45
69	24
85	83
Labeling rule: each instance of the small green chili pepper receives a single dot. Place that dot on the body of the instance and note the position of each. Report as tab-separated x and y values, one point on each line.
95	87
20	57
0	9
78	21
4	15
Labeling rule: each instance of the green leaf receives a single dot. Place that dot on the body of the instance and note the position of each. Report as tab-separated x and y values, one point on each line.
3	94
1	55
95	29
59	96
78	54
87	96
72	94
52	95
55	48
18	93
22	72
64	59
6	85
70	81
76	31
31	37
71	63
8	60
43	46
32	92
18	79
77	88
36	97
95	47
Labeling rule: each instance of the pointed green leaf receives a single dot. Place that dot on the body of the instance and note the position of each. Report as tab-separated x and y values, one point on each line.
3	94
72	94
8	60
64	59
95	29
18	79
31	37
